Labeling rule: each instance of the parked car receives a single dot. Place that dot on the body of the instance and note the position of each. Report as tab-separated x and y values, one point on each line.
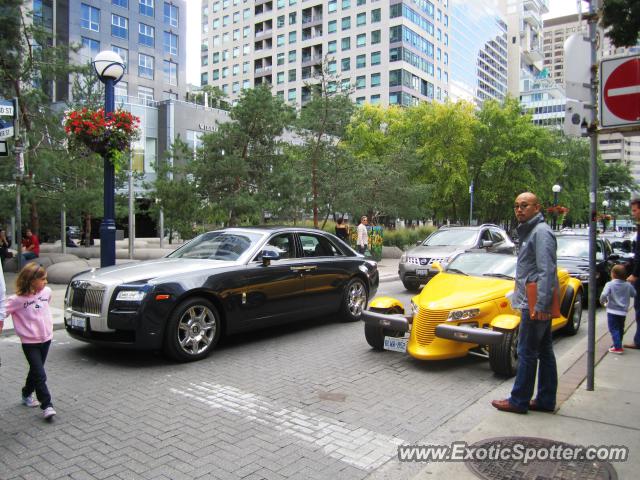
222	282
573	255
465	309
416	265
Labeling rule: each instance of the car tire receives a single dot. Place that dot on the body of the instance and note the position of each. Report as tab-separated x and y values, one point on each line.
503	357
354	300
411	286
575	316
193	330
375	334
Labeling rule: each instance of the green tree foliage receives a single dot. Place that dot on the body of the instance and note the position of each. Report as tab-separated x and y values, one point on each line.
233	167
622	18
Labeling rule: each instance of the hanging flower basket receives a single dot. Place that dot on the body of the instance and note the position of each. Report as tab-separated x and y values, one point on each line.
109	136
558	211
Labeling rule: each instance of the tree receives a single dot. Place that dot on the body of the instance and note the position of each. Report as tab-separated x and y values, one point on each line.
622	19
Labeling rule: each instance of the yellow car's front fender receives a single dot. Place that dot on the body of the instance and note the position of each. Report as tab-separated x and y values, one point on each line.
385	303
505	322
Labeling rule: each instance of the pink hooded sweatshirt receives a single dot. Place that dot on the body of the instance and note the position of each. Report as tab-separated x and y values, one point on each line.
32	319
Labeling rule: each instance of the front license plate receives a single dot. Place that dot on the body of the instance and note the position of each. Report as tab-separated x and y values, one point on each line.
78	323
422	272
396	344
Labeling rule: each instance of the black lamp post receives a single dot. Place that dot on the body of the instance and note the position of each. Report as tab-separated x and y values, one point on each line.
110	68
556	190
605	205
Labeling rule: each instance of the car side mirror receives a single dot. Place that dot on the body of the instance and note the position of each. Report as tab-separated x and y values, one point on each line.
437	266
614	256
487	244
268	256
418	243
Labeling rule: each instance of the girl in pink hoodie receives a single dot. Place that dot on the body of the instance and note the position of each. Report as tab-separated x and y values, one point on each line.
33	323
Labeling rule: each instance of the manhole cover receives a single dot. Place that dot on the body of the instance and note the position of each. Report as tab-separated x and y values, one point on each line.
503	458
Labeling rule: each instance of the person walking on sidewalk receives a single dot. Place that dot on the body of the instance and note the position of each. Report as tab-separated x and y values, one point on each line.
616	297
363	235
536	264
33	323
634	278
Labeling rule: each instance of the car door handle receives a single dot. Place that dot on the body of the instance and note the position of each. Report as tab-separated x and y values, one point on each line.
304	268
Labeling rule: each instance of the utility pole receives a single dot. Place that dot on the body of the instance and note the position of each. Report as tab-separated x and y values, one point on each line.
19	151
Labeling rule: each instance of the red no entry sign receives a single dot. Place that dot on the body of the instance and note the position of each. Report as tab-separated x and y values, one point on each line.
620	92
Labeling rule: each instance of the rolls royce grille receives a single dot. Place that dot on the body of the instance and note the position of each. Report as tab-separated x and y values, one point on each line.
86	298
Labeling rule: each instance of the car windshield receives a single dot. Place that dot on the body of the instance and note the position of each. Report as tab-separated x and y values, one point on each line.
458	236
220	245
484	264
574	247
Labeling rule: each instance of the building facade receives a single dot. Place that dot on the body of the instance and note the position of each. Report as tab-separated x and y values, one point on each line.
380	53
478	51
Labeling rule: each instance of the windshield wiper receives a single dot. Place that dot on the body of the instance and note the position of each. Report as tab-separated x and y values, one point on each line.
498	275
455	270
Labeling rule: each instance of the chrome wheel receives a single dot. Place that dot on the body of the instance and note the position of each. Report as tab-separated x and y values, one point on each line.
356	298
196	330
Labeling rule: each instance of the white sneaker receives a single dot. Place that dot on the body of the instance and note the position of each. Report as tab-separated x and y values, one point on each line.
48	413
30	402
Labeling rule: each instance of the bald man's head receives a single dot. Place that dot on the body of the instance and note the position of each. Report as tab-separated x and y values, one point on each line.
526	206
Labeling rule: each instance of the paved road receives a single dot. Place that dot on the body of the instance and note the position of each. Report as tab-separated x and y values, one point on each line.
308	401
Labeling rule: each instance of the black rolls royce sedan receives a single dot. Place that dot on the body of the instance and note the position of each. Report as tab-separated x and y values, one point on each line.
221	282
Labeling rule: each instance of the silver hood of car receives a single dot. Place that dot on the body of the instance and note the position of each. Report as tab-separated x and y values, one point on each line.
160	268
438	251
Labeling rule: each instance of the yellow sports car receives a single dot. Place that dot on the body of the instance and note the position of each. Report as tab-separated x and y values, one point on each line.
465	309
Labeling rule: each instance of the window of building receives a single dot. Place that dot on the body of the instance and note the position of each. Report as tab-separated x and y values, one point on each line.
292	75
361	19
90	47
361	40
246	84
170	72
333	6
345	64
280	59
375	79
235	88
89	17
361	2
170	95
204	78
215	57
376	37
124	54
246	13
145	66
346	23
280	21
291	95
236	17
376	16
332	46
235	69
292	56
360	100
345	44
375	99
375	58
245	67
281	4
225	21
331	67
292	18
279	78
246	49
332	26
119	26
120	3
246	31
361	61
225	72
146	7
292	37
215	74
204	60
236	35
280	40
170	15
121	91
145	94
146	35
170	43
345	85
361	82
346	4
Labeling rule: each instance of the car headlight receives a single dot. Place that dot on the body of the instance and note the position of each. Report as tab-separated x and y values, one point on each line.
456	315
403	258
509	297
130	295
414	308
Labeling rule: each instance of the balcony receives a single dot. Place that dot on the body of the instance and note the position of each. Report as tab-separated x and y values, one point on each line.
308	60
312	20
263	70
263	34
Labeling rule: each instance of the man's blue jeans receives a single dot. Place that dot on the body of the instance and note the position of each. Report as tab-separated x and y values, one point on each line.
535	353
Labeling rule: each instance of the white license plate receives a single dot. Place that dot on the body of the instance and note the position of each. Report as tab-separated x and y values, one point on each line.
423	272
78	323
396	344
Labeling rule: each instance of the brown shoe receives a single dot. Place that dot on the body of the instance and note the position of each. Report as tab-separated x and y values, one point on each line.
533	405
505	406
631	345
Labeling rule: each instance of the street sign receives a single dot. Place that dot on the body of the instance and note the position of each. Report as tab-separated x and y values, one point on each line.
620	92
6	129
6	108
4	151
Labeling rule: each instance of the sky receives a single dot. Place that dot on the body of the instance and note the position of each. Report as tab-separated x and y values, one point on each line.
557	8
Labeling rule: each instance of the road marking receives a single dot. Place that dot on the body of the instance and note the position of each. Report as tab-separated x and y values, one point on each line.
358	447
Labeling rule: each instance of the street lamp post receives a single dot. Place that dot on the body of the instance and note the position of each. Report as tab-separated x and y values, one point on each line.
556	190
471	203
605	205
110	68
